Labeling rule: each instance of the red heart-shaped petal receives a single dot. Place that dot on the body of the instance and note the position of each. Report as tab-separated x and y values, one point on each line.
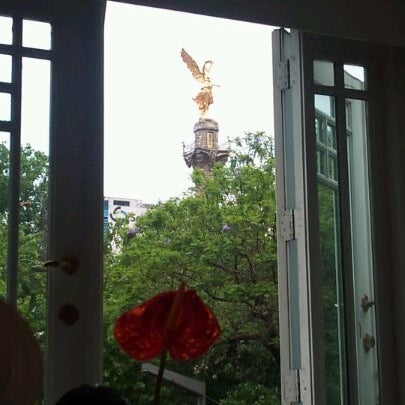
143	332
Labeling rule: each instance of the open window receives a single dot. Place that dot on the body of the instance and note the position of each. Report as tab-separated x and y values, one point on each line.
329	237
326	251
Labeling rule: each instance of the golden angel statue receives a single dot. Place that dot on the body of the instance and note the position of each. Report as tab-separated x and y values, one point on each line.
204	98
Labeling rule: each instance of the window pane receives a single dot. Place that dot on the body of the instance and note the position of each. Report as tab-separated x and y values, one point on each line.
332	166
6	30
348	115
355	77
324	73
36	34
4	183
5	106
325	104
35	103
362	261
321	158
329	258
5	68
32	280
331	136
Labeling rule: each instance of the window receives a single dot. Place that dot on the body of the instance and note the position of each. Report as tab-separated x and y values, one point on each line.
76	217
324	196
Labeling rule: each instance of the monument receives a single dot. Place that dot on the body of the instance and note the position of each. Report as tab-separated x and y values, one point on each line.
205	151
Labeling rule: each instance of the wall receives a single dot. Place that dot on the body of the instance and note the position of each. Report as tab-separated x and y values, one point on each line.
373	20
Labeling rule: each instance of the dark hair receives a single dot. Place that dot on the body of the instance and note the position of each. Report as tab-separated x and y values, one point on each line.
92	395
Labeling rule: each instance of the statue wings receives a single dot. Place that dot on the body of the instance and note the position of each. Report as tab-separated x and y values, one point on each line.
192	65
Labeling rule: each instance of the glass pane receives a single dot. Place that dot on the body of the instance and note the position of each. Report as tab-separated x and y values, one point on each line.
5	68
32	280
4	183
318	128
331	136
332	166
36	34
5	106
6	30
321	157
355	77
357	145
324	73
329	259
326	105
348	115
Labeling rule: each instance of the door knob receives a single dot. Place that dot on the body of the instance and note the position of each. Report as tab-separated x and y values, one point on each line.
366	303
368	342
69	265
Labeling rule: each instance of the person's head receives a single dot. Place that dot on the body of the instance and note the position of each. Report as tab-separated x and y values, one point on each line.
92	395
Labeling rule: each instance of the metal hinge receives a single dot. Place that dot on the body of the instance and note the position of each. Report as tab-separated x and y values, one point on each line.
292	386
283	77
295	386
287	225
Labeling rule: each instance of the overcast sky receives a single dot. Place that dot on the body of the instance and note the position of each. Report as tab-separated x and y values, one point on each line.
149	109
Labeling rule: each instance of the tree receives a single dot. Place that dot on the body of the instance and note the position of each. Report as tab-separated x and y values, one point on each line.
220	239
32	233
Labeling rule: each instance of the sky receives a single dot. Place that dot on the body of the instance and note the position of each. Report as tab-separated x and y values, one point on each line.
149	111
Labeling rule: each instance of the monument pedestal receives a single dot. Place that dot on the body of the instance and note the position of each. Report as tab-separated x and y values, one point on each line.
205	151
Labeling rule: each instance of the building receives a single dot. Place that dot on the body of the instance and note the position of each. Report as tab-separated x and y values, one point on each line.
117	207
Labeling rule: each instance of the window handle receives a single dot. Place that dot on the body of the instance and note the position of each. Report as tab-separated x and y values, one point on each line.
368	342
69	265
366	303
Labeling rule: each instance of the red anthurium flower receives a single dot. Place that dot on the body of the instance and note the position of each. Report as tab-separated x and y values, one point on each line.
175	321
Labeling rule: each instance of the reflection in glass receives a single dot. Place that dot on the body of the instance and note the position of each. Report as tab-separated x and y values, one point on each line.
5	107
325	104
329	259
355	77
324	73
6	30
4	177
36	34
325	129
5	68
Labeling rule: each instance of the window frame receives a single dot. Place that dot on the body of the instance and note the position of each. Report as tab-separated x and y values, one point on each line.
45	10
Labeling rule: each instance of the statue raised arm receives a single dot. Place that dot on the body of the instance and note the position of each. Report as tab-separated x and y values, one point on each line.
204	98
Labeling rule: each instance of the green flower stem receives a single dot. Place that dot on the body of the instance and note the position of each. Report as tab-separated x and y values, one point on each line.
159	379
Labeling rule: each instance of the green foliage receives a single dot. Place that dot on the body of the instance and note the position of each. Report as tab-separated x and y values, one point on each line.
219	239
330	271
252	394
32	233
